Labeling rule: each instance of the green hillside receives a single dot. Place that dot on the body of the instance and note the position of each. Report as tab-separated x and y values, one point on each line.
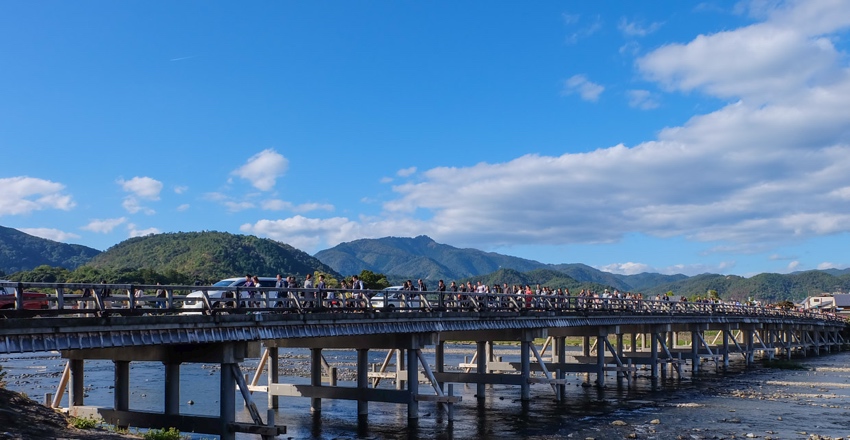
20	251
209	256
419	257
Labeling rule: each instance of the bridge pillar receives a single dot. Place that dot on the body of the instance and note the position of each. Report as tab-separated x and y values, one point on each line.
362	380
561	348
316	378
172	387
653	354
768	339
620	374
750	346
525	359
725	331
481	360
440	359
77	387
273	375
122	385
413	381
696	333
227	401
400	366
600	356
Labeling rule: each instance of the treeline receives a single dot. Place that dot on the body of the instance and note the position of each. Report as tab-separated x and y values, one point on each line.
90	274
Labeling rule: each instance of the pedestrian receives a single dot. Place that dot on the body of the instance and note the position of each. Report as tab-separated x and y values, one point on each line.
309	293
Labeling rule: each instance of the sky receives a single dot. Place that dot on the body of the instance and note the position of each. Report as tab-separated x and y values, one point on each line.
665	136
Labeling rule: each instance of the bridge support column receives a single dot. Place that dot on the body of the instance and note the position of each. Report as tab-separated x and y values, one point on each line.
362	380
525	358
122	385
600	356
769	337
620	374
77	387
227	401
561	348
413	381
315	378
481	367
653	355
750	346
400	366
725	333
696	335
172	387
440	359
273	375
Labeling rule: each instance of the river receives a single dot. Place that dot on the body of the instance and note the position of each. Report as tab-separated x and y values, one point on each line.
755	402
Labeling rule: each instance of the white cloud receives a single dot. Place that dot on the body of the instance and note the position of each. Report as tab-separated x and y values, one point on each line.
23	195
263	169
406	172
134	231
142	187
584	29
637	29
182	208
579	84
313	234
631	268
793	266
827	265
281	205
50	234
627	268
104	226
180	189
133	205
767	61
642	99
236	206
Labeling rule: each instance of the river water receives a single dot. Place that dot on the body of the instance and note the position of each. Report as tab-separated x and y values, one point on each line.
755	402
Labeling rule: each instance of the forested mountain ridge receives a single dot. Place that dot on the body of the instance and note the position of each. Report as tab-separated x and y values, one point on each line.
209	256
20	251
419	257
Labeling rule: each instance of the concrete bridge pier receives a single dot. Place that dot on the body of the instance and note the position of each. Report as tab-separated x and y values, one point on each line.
172	387
76	390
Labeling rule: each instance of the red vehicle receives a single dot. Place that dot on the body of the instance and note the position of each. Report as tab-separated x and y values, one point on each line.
32	300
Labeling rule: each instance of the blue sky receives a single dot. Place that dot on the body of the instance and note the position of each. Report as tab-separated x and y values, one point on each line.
667	136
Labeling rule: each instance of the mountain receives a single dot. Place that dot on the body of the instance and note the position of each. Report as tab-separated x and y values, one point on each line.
209	256
20	251
419	257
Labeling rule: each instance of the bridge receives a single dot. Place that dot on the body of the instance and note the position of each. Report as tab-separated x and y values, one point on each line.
152	323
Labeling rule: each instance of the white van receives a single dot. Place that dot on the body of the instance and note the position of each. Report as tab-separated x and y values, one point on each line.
224	297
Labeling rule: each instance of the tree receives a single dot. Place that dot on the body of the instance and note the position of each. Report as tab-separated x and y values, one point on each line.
330	280
374	280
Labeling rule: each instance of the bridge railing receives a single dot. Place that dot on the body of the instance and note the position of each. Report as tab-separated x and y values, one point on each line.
134	299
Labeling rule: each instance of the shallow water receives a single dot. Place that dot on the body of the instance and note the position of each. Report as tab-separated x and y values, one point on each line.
760	402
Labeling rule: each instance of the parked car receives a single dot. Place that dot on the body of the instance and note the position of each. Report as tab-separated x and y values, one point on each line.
224	298
32	300
394	297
